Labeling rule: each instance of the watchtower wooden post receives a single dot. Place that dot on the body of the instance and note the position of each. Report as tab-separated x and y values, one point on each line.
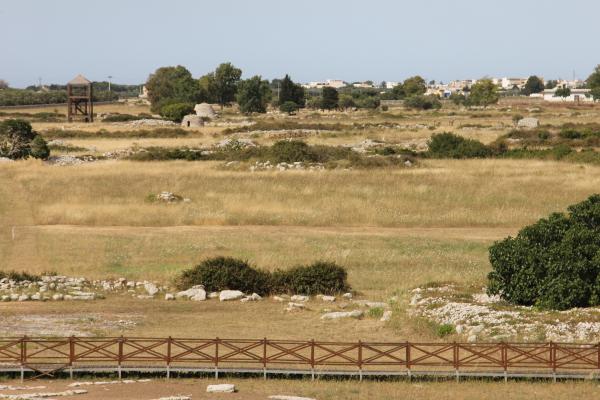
79	100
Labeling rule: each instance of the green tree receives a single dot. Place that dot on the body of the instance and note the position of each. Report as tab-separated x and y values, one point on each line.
346	101
171	85
551	84
3	84
329	98
19	140
533	85
414	86
288	107
226	80
207	89
290	91
398	92
562	92
422	102
593	83
554	263
483	93
176	111
254	95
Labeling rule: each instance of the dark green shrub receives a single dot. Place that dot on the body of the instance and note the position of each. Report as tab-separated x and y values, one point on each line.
289	107
444	330
19	276
175	112
16	136
39	148
554	263
449	145
422	102
321	277
220	273
122	118
290	151
571	134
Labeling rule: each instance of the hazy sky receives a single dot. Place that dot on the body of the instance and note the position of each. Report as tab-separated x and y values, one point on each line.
309	39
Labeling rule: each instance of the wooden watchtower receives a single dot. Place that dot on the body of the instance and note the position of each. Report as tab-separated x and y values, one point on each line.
79	99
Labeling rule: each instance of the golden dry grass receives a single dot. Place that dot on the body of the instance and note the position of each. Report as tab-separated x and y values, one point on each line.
443	193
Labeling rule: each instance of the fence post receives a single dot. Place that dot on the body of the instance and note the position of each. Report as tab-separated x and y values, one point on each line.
265	358
312	359
120	358
71	355
504	354
360	358
455	360
169	340
553	360
408	360
23	356
217	358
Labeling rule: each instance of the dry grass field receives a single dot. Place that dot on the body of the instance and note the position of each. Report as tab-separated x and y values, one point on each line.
394	229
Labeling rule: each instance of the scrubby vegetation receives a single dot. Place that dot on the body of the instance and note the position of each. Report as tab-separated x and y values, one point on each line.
220	273
56	133
554	263
18	140
449	145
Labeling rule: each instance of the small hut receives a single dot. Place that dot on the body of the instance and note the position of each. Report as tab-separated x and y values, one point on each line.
192	121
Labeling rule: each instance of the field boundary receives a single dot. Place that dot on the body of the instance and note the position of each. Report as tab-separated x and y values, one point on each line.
37	357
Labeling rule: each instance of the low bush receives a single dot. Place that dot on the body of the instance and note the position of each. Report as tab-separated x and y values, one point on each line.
290	151
176	111
375	312
449	145
20	276
220	273
422	102
56	133
444	330
321	277
122	118
166	154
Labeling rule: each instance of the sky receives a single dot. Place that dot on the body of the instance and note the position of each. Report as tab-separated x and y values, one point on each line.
378	40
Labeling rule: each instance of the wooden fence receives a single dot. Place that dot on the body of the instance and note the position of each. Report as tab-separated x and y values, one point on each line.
46	356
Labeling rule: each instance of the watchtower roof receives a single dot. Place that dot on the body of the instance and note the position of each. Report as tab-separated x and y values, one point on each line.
79	80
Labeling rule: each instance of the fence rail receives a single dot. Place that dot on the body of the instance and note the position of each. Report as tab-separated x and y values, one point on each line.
48	355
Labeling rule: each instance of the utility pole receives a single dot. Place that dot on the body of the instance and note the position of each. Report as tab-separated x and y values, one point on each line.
40	82
109	78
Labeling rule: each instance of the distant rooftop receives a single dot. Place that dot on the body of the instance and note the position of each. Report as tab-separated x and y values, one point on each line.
79	80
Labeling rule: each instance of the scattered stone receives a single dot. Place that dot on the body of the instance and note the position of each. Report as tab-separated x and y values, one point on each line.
528	122
342	314
168	197
347	295
221	388
278	298
151	289
299	297
328	298
152	122
169	296
228	295
387	315
196	293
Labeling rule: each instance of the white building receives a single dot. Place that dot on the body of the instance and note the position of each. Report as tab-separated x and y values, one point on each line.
509	83
391	85
363	85
576	96
334	83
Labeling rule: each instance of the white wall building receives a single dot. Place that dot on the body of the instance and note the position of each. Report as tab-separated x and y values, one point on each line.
577	96
334	83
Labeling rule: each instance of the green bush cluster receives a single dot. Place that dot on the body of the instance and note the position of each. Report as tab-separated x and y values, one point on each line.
449	145
423	102
125	117
552	264
18	140
56	133
21	276
176	111
220	273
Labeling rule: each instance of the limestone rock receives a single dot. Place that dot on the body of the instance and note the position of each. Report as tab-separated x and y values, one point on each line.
299	297
387	315
328	298
169	296
228	295
221	388
342	314
151	289
527	123
197	292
